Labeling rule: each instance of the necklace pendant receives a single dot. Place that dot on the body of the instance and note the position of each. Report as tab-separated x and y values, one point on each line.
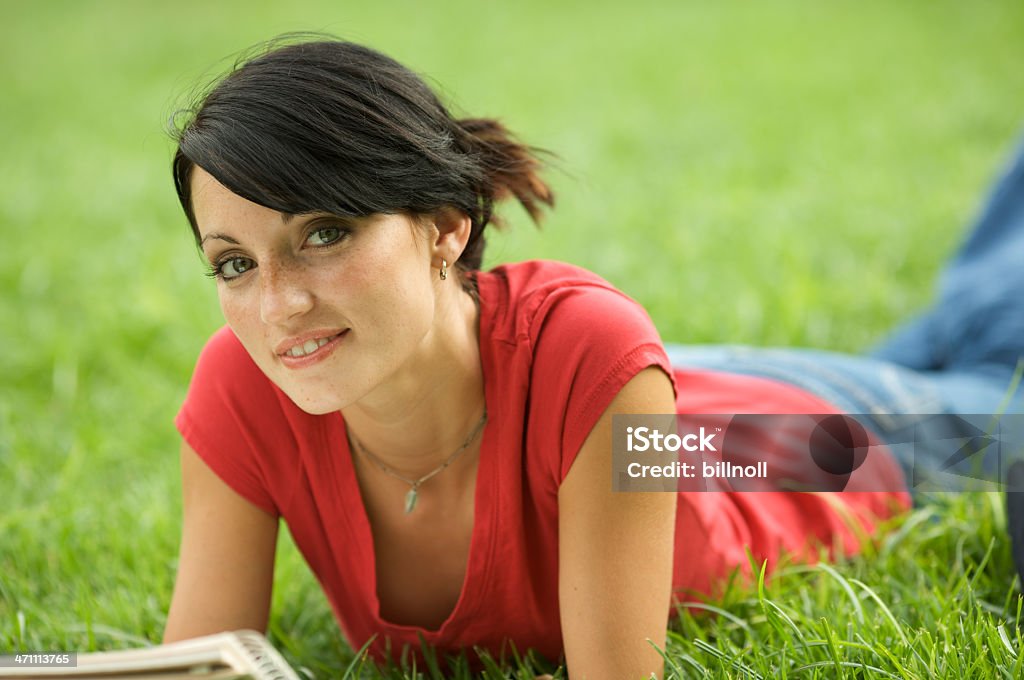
410	500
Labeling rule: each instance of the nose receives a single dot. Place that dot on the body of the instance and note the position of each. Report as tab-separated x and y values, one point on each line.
284	294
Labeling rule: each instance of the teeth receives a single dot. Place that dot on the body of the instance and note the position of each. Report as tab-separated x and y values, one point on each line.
308	347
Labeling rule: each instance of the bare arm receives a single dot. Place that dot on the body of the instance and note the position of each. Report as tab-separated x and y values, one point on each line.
226	565
615	553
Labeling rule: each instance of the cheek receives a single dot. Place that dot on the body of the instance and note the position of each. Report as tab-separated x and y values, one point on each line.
400	298
234	308
241	312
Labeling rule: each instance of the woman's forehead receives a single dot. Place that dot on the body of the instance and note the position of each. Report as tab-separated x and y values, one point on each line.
218	209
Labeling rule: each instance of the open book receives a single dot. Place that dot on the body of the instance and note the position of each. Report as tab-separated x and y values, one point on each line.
241	654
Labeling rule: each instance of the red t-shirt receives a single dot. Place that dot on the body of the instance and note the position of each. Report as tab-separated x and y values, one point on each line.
557	343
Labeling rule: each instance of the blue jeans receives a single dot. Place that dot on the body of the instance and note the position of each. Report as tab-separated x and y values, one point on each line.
961	356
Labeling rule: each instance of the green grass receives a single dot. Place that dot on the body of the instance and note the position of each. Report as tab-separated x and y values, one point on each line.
778	173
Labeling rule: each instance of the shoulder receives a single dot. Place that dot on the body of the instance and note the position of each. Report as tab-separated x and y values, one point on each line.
534	279
226	381
224	356
528	300
574	340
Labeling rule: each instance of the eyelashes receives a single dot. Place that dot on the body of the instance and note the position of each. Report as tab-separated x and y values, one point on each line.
231	266
334	233
238	265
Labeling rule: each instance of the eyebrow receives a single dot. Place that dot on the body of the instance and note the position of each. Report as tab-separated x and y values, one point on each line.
222	237
285	217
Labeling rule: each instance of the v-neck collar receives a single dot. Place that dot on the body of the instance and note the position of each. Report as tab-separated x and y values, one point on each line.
485	503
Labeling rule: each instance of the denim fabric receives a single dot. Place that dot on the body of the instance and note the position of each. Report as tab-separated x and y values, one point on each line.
977	323
958	357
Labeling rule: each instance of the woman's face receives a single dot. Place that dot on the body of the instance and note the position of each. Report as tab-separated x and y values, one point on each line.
329	308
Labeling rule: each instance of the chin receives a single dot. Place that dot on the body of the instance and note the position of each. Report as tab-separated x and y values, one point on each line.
317	408
318	405
314	403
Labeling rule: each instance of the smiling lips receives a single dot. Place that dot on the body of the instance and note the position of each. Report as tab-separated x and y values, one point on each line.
310	350
309	346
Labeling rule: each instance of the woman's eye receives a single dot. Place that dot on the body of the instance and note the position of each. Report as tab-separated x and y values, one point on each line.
234	267
324	236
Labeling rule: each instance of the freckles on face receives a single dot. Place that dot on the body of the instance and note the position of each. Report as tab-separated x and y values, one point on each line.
328	308
383	296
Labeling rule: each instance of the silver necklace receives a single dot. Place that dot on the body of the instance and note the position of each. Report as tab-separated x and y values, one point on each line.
413	494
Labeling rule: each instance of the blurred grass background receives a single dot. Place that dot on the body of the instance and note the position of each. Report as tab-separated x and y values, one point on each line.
782	173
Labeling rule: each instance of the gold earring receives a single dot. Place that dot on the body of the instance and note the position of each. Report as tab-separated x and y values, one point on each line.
444	269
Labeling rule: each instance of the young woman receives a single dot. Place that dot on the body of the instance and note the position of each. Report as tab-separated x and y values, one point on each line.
438	438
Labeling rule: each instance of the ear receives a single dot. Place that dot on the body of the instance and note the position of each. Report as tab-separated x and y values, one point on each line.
453	227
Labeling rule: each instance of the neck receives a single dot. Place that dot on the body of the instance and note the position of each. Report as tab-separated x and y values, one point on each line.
424	411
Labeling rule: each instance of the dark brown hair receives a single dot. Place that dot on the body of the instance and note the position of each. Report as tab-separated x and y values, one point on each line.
328	125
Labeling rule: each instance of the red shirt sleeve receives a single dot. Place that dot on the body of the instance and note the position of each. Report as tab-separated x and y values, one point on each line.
589	341
232	418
